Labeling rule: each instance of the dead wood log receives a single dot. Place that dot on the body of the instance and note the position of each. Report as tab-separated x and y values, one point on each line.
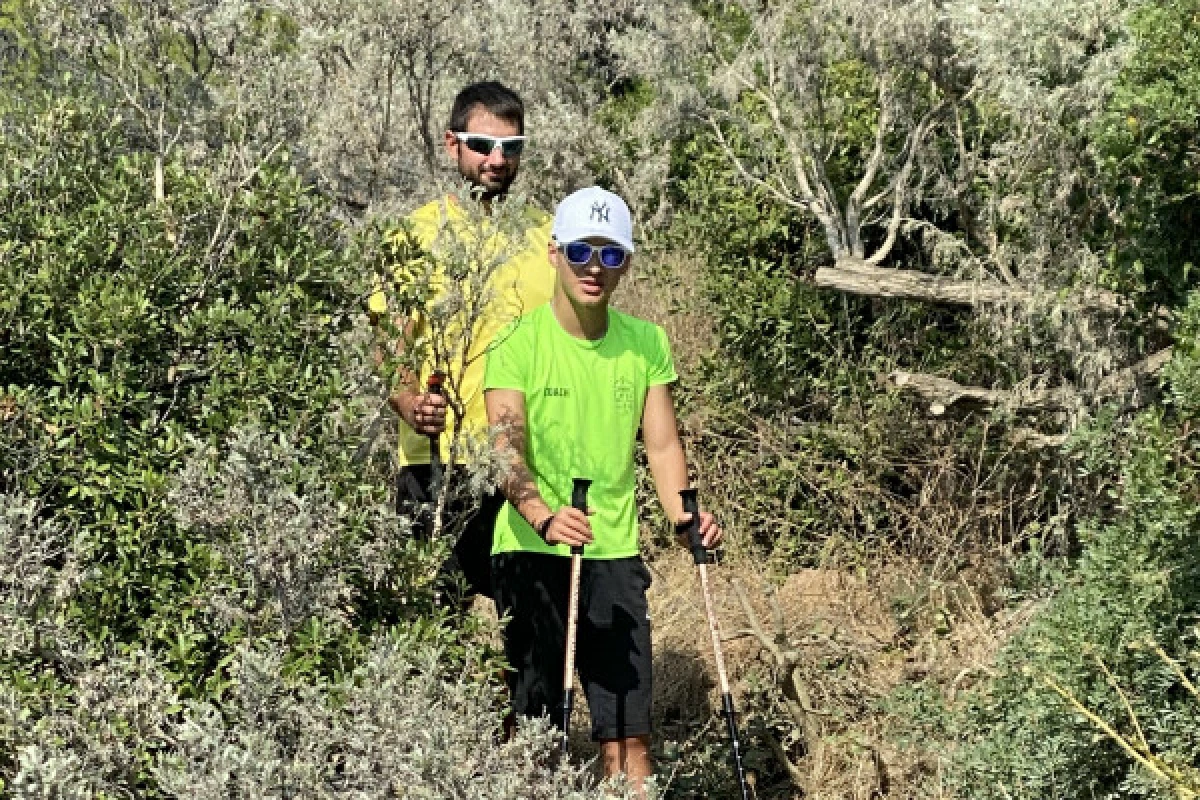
855	276
1132	380
943	394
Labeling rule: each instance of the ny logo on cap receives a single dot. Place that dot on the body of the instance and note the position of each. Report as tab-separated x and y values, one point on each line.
599	211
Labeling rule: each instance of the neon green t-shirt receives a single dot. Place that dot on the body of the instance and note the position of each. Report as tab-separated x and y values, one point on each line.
523	282
583	408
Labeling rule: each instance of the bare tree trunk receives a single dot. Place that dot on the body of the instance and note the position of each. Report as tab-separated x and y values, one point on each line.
942	394
856	276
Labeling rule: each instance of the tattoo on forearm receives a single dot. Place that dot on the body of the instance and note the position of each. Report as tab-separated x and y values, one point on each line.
514	477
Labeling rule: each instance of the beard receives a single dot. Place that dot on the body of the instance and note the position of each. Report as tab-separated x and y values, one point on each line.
491	183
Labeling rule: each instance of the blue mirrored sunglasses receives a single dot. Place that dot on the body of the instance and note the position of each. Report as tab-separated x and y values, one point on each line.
579	254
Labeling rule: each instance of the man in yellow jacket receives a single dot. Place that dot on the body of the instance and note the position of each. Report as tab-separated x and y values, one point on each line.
485	138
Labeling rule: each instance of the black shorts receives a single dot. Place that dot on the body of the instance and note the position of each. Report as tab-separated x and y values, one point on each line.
613	640
469	562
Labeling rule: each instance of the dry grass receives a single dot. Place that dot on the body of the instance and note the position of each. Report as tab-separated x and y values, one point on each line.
849	649
857	638
664	288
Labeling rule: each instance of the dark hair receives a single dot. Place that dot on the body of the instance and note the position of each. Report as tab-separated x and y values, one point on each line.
497	98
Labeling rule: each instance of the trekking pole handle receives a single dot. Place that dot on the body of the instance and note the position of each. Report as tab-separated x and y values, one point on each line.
435	381
691	505
435	384
579	490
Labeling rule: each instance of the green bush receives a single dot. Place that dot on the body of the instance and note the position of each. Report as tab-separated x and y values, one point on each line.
130	326
1145	148
1137	582
200	571
827	456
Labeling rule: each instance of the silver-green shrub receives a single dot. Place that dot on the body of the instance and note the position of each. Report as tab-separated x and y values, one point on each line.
281	535
414	711
398	727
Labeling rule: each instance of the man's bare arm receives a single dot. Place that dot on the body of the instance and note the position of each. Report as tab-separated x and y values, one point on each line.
506	415
668	464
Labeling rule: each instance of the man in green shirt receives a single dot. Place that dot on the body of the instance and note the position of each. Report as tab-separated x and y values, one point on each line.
567	387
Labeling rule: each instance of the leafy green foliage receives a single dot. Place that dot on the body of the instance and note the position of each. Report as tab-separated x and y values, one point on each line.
1183	373
182	401
1146	147
199	573
1137	581
130	325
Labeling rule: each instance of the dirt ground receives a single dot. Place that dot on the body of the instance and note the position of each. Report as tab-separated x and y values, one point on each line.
845	640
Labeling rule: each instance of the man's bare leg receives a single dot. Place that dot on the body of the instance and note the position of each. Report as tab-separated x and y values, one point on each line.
631	756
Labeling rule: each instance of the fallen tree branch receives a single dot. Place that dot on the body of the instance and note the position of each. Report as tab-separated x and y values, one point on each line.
855	276
798	777
787	663
942	394
1132	379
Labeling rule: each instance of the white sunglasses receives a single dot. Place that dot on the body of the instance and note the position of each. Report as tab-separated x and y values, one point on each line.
485	145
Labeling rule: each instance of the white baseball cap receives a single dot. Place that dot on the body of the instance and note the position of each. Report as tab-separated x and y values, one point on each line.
593	212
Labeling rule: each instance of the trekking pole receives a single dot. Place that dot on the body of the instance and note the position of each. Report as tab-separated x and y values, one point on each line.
700	556
433	385
578	500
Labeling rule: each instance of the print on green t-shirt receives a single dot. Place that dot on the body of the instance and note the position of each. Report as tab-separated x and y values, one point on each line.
583	408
